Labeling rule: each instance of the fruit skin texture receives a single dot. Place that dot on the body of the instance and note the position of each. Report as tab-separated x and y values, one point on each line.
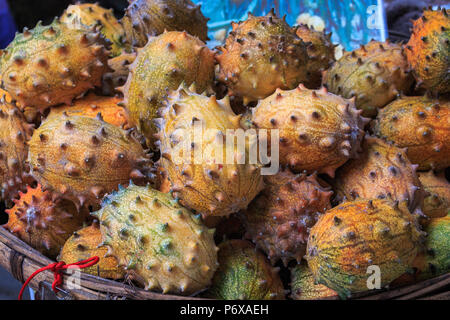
52	64
375	74
428	50
437	203
260	55
244	274
422	125
318	131
210	185
91	105
145	18
355	235
91	14
162	65
162	245
279	218
43	223
83	158
120	67
14	134
320	51
86	243
304	288
381	171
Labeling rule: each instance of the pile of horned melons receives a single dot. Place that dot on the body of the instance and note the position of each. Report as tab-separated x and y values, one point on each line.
94	109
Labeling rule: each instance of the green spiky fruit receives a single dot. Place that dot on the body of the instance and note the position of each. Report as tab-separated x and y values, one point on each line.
422	125
260	55
356	235
91	14
437	202
303	286
52	64
211	185
162	245
279	218
145	18
320	53
381	171
428	50
244	274
318	131
84	158
375	74
162	65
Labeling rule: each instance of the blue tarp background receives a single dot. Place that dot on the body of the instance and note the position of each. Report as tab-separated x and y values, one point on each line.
7	26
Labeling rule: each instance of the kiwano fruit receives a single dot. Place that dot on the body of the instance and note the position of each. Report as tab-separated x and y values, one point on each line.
14	134
44	223
437	203
303	286
420	124
381	171
244	274
428	51
162	245
375	74
86	243
91	14
144	18
280	217
84	158
320	51
318	131
211	184
162	65
260	55
52	64
91	106
357	235
120	67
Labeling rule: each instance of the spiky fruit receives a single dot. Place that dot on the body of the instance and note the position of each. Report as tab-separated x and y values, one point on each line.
318	131
260	55
14	134
145	18
381	171
420	124
91	106
162	65
162	180
86	243
162	245
244	274
320	53
437	202
375	74
118	76
428	50
91	14
5	95
303	286
52	64
279	218
84	158
223	180
43	223
353	236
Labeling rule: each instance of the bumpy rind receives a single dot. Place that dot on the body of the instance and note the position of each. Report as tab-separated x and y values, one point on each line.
303	286
437	202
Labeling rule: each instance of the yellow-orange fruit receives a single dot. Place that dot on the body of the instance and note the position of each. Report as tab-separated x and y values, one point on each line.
437	202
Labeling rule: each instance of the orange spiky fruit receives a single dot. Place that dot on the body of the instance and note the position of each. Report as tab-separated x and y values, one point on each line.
437	202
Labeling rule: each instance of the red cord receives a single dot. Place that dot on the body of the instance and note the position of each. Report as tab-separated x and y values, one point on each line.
57	268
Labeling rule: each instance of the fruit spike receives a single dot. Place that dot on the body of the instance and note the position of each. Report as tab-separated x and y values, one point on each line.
43	223
145	18
279	218
46	66
161	244
212	186
374	74
318	131
437	202
83	158
260	55
162	65
355	235
120	67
